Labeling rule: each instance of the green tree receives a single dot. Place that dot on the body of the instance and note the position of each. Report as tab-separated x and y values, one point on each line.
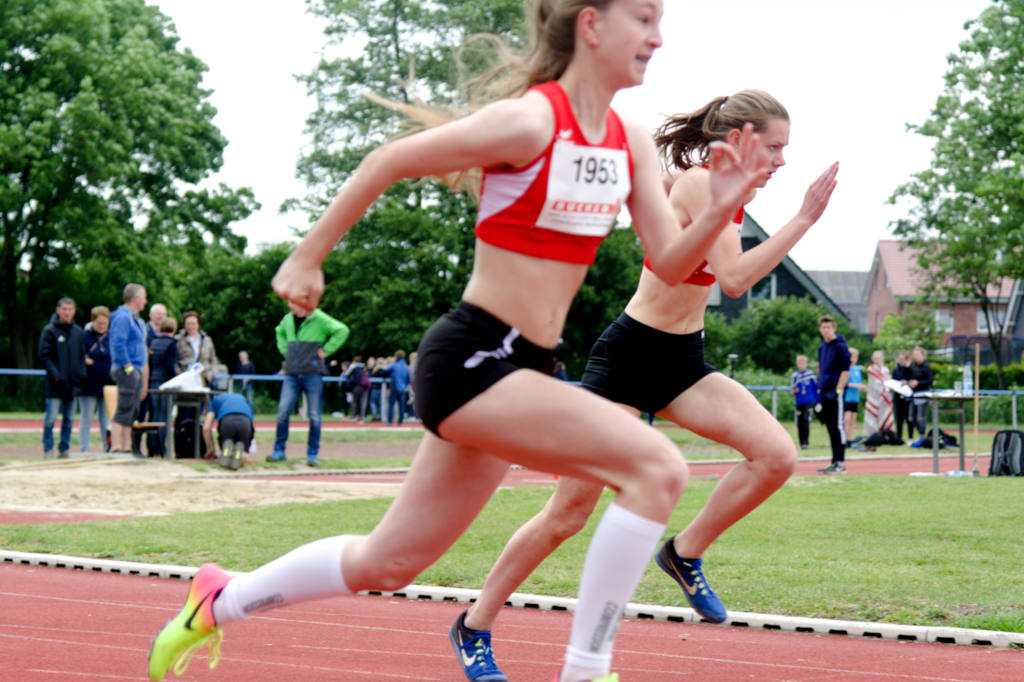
718	340
607	288
772	332
404	46
968	207
916	326
408	259
105	135
238	307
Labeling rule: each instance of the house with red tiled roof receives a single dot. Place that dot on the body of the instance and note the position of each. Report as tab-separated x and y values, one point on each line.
895	281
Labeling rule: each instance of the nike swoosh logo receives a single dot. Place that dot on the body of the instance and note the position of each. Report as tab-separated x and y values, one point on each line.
692	591
467	660
188	623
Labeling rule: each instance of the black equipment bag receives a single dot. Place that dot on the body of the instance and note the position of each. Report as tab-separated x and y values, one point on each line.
1007	454
185	434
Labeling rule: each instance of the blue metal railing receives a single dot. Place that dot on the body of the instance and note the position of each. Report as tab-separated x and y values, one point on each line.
753	388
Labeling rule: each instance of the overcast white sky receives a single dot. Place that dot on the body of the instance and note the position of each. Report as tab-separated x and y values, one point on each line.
851	74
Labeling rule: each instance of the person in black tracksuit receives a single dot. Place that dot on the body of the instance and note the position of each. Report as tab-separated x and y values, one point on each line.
900	403
833	374
62	355
921	379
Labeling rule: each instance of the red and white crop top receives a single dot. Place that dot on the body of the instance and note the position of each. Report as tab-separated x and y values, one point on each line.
563	204
700	276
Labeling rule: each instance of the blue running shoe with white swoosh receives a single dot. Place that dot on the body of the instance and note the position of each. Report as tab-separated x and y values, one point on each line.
688	573
473	649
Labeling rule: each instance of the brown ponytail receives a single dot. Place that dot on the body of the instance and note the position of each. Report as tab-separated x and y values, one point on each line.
683	139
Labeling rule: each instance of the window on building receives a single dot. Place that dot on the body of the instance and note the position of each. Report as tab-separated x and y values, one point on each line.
765	289
944	319
982	325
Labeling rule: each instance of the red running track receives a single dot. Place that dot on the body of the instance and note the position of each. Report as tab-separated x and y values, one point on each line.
58	624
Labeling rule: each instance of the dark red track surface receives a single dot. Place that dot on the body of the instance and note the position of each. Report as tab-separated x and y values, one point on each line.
58	624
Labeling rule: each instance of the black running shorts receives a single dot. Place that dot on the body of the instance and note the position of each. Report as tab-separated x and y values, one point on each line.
644	367
462	355
237	427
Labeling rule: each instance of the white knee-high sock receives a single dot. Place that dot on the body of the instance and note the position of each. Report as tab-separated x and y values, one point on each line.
622	545
312	571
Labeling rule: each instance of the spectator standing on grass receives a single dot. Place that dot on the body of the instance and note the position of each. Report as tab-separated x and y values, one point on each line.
921	379
833	373
157	314
305	339
130	366
379	372
163	365
851	396
398	381
559	371
410	390
804	385
901	404
245	366
96	340
878	399
196	346
62	354
357	379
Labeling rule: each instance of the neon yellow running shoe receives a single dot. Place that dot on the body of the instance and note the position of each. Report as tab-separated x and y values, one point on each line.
193	627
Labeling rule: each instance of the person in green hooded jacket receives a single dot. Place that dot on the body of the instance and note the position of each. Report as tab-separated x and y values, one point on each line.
305	340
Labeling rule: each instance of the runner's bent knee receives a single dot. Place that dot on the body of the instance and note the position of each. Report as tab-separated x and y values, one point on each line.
662	475
565	521
778	458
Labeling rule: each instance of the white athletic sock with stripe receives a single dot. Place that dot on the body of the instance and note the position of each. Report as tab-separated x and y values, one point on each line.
312	571
618	554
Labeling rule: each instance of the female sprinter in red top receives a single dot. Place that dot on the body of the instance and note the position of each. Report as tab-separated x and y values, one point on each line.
665	319
557	164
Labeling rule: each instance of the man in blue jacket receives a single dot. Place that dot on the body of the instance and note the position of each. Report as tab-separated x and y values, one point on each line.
833	374
398	382
129	365
62	355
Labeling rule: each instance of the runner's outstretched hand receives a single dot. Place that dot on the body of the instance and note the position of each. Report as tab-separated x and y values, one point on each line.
818	194
736	172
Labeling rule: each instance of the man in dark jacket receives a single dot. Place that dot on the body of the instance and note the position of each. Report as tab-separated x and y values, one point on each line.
62	355
163	362
921	379
833	374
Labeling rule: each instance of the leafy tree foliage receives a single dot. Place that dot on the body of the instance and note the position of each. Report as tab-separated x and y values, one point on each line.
916	326
408	259
772	332
610	283
105	135
968	207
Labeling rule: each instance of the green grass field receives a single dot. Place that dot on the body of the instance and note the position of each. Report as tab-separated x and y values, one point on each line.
913	550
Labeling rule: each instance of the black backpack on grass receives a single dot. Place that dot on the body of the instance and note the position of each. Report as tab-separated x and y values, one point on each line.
1007	454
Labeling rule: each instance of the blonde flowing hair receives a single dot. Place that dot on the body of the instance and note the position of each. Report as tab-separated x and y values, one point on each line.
551	33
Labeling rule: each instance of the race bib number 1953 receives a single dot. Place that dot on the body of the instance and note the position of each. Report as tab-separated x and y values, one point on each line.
586	189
